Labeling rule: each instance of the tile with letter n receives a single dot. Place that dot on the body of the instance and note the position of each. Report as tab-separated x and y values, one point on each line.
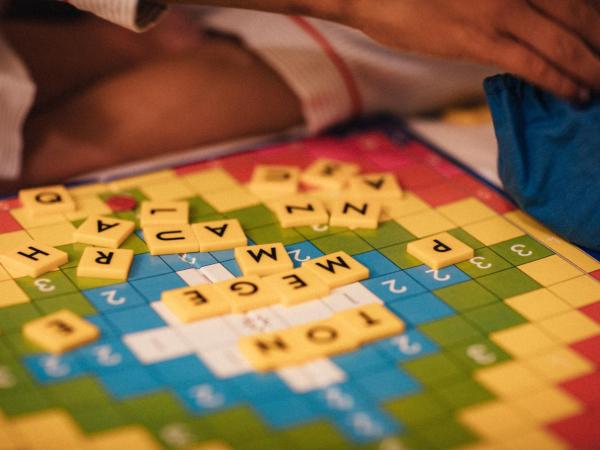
13	317
521	250
477	353
434	370
467	295
75	302
418	409
446	434
274	233
253	216
51	284
494	317
483	263
346	240
450	330
508	283
398	255
386	234
463	393
462	235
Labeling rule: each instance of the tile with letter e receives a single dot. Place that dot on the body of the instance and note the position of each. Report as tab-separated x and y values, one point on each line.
263	259
371	322
137	318
484	262
388	384
410	345
437	278
195	302
521	250
114	297
393	286
376	263
355	213
164	213
297	285
508	283
329	173
152	288
219	235
246	293
337	269
299	211
440	250
46	200
104	231
169	239
107	263
33	258
420	308
302	252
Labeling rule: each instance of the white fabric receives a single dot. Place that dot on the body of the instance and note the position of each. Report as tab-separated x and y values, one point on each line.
133	14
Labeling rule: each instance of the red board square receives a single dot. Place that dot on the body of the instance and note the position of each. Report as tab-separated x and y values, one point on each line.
596	274
418	175
589	348
581	431
585	388
8	223
441	194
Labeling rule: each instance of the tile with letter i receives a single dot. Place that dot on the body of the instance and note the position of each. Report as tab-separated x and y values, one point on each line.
169	239
195	302
219	235
263	259
246	293
299	211
46	200
440	250
104	231
337	269
113	264
164	213
381	186
270	180
297	286
355	213
329	173
33	258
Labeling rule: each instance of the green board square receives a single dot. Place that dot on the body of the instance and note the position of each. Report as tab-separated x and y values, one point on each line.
476	353
87	283
134	243
99	418
466	295
315	435
20	345
463	393
399	256
494	317
143	408
386	234
465	237
417	409
14	377
347	240
132	216
74	251
51	284
274	233
319	231
237	425
253	217
12	318
450	330
434	369
508	283
521	250
78	392
23	401
446	434
200	209
484	263
75	302
269	442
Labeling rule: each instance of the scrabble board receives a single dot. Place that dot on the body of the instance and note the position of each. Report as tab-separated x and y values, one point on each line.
500	351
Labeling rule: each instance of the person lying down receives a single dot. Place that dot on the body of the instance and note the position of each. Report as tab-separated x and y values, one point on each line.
99	95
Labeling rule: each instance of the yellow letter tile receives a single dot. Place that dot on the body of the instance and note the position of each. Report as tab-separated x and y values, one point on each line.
523	340
440	250
88	206
113	264
231	199
548	405
299	210
60	331
578	292
270	350
34	258
104	231
323	338
11	293
195	302
263	259
4	275
329	173
355	213
570	327
210	180
272	180
379	186
46	200
425	223
297	286
371	322
538	305
246	293
164	213
494	230
56	234
464	212
219	235
174	189
550	270
560	364
337	269
170	239
8	241
510	378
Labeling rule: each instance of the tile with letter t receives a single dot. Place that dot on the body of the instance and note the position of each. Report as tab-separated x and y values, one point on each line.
437	278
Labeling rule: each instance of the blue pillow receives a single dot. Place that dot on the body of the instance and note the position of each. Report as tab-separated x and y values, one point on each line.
549	156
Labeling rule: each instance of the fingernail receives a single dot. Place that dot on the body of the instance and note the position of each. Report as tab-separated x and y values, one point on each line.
583	95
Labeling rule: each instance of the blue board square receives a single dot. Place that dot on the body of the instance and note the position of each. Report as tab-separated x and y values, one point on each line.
222	255
260	387
339	399
376	263
233	267
188	260
152	288
203	398
421	308
393	286
134	319
145	265
302	251
367	425
114	297
365	359
50	368
128	383
106	329
388	384
106	355
288	412
185	370
410	345
437	278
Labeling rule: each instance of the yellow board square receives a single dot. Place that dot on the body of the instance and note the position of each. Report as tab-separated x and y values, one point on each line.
539	439
355	213
174	189
60	331
46	200
274	180
246	293
11	294
263	259
4	275
560	364
104	231
424	223
132	437
22	216
210	180
440	250
494	419
408	205
578	292
164	213
548	405
113	263
219	235
371	322
10	240
270	350
509	379
34	258
299	211
570	327
88	206
195	302
297	286
537	305
52	429
170	239
56	234
231	199
464	212
323	338
550	270
141	180
380	186
494	230
337	269
329	173
522	340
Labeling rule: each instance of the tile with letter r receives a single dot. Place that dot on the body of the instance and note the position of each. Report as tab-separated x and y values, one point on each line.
209	396
485	262
134	381
388	384
367	425
192	260
437	278
393	286
51	368
152	288
137	318
420	308
376	263
106	355
115	297
286	413
50	284
508	283
302	252
410	345
521	250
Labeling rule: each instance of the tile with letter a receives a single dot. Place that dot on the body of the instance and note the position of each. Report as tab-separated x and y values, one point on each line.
104	231
299	210
195	302
270	350
337	269
170	239
164	213
355	213
329	173
323	338
270	180
46	200
372	322
60	331
33	259
219	235
381	186
113	264
263	259
246	293
297	286
440	250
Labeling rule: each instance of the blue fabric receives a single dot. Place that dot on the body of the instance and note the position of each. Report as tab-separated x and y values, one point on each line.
549	156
